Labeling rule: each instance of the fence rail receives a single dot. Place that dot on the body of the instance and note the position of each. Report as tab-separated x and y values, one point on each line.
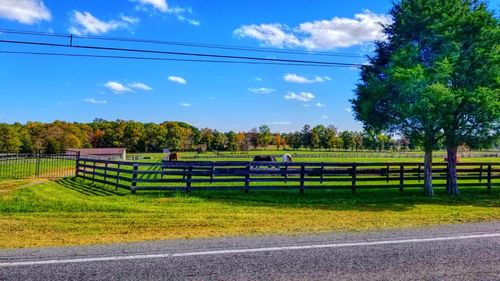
234	175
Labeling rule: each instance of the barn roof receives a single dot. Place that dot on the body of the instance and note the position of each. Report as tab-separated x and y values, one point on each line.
98	151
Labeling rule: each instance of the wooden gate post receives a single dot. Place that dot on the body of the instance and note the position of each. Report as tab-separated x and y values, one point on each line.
489	178
247	179
353	180
302	175
77	166
188	179
134	178
105	172
401	177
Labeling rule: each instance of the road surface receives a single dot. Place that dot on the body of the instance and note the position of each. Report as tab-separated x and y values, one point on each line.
453	252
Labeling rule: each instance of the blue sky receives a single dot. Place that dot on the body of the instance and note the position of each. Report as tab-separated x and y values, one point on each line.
225	97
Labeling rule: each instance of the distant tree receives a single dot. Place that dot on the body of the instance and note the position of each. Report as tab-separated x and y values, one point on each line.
347	140
241	140
306	136
253	137
9	139
207	138
264	136
232	144
279	141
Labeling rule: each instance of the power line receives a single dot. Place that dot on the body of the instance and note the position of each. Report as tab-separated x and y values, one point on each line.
155	58
186	44
338	64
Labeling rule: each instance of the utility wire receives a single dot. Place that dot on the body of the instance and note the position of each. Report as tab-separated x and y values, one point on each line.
187	44
156	58
182	53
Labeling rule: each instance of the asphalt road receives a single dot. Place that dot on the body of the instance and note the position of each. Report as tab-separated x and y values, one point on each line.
454	252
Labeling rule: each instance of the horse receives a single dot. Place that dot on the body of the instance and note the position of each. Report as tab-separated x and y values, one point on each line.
172	156
287	158
264	158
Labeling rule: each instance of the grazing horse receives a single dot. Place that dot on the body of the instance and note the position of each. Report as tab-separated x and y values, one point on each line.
264	158
172	156
287	158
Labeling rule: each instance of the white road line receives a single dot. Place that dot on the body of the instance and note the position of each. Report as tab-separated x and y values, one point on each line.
247	250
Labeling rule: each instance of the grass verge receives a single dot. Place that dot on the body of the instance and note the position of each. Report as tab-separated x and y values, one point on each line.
73	212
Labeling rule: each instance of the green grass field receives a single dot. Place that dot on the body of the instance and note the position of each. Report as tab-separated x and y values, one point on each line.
74	212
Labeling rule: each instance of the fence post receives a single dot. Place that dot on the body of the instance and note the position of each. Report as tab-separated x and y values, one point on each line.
480	173
302	176
93	172
85	168
117	177
387	174
134	178
188	179
212	173
247	179
322	171
105	172
77	166
401	177
419	173
38	164
353	181
489	178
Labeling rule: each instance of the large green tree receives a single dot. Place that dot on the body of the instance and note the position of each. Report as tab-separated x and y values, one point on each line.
415	83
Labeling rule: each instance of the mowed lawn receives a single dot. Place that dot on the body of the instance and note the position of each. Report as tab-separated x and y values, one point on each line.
73	212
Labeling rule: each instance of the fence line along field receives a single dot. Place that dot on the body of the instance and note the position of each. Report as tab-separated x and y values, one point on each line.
226	175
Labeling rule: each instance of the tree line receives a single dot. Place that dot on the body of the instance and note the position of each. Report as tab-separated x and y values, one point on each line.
58	136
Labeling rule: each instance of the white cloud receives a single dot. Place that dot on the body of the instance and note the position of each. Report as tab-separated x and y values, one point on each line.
324	117
258	79
304	96
338	32
117	87
140	86
185	104
261	90
177	79
24	11
86	23
320	105
348	109
181	13
275	34
157	4
294	78
280	123
94	101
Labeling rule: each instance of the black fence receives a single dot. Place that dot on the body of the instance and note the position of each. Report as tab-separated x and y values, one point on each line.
231	175
37	165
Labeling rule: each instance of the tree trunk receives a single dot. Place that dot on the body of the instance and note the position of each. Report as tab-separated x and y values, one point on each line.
428	190
451	180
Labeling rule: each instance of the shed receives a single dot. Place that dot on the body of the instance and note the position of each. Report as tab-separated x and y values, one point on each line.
102	153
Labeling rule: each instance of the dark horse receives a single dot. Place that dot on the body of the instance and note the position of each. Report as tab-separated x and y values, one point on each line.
264	158
172	156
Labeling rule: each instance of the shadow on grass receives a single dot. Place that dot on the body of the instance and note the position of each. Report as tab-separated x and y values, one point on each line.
86	188
380	199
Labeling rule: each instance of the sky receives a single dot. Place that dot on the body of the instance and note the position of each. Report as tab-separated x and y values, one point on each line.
220	96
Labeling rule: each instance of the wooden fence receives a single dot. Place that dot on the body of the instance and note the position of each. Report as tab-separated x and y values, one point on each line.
231	175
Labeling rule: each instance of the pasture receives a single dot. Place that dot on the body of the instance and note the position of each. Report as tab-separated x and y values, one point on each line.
72	212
